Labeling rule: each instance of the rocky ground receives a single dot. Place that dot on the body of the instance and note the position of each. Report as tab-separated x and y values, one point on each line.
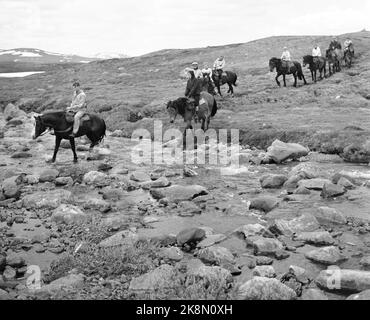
107	228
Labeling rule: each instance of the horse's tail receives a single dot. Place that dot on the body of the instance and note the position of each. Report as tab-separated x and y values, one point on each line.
214	109
236	78
103	133
300	71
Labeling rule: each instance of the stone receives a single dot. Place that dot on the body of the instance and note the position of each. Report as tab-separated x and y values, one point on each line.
329	215
9	273
97	204
280	151
11	187
161	182
140	176
316	238
273	181
190	236
4	295
264	271
177	193
96	178
262	288
64	181
364	262
48	175
68	214
264	246
264	261
46	199
364	295
345	183
15	260
21	155
172	253
303	223
71	281
211	240
331	190
313	184
264	203
302	190
188	208
163	277
125	238
313	294
214	276
250	230
11	111
187	172
326	255
216	255
41	237
31	179
112	194
344	280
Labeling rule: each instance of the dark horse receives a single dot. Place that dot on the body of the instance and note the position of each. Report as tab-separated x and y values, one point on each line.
207	85
226	77
185	107
335	57
349	54
91	125
295	70
320	65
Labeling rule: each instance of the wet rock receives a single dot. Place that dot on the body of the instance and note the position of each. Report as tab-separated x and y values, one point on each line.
68	214
216	255
11	187
262	288
326	255
264	261
187	172
364	295
264	203
96	178
163	277
32	179
303	223
71	281
161	182
48	175
280	151
313	294
11	111
302	190
140	176
345	183
46	199
273	181
316	238
190	236
356	153
332	190
64	181
264	271
305	170
125	238
344	280
172	253
21	155
313	184
329	215
250	230
211	240
264	246
112	194
9	273
177	193
97	204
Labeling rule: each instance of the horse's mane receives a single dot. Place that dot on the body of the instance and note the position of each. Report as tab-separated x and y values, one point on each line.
180	105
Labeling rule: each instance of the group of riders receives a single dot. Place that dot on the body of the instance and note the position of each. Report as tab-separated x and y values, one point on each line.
316	52
195	83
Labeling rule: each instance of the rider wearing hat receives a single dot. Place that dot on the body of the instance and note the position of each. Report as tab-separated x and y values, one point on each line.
316	54
197	72
286	58
78	107
335	44
193	89
219	65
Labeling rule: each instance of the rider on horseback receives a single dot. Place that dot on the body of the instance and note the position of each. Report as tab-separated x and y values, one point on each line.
286	59
316	54
197	72
193	90
335	44
347	45
78	107
219	65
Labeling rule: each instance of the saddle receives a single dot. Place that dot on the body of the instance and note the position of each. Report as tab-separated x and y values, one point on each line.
71	114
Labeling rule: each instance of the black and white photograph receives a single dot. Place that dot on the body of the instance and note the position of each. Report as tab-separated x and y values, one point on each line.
199	152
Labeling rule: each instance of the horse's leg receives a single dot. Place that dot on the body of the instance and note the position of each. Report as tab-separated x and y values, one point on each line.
219	90
203	122
277	79
231	88
73	147
315	75
58	139
313	80
284	78
208	121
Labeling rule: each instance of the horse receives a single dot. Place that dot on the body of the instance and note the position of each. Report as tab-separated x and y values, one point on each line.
91	126
315	65
334	60
349	54
228	77
184	107
207	84
295	70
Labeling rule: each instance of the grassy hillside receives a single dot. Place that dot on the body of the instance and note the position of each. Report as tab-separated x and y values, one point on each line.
316	114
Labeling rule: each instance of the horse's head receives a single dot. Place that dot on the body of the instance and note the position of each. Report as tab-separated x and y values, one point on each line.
172	111
39	127
272	64
306	60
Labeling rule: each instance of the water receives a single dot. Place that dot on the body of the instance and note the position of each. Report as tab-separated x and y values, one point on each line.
19	74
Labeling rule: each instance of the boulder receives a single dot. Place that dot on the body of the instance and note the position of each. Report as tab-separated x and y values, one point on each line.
216	255
303	223
313	294
264	271
264	203
262	288
161	182
273	181
345	280
326	255
64	181
177	193
71	281
264	246
96	178
48	175
11	187
280	151
97	204
313	184
68	214
316	238
172	253
9	273
190	236
250	230
15	260
188	208
329	215
46	199
31	179
331	190
125	238
345	183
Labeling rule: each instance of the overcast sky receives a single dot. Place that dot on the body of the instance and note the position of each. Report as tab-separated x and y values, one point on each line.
135	27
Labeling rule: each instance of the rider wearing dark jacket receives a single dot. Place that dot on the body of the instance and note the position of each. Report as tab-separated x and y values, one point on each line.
193	88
